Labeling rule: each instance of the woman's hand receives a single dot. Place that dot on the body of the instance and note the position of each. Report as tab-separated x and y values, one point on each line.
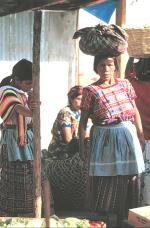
82	152
32	102
142	141
82	133
138	124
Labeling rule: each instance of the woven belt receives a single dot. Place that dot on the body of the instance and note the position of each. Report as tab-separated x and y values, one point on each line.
9	126
12	126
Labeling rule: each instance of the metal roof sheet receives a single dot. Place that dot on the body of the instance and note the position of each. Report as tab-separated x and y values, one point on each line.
15	6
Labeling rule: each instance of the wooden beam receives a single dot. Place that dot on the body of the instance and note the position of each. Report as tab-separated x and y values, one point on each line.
121	13
36	113
121	21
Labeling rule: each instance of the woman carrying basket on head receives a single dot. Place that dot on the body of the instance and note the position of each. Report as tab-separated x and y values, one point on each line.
115	157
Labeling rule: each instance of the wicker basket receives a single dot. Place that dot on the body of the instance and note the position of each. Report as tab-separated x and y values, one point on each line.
139	42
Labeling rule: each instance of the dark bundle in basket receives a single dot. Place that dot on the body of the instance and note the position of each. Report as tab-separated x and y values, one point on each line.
102	39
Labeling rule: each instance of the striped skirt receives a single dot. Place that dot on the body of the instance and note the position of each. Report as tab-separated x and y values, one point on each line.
16	186
114	194
115	163
16	178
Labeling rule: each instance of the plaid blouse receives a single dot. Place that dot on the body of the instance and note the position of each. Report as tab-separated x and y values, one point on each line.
110	104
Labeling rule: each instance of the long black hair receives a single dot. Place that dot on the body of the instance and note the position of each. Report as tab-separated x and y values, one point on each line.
21	71
6	81
141	68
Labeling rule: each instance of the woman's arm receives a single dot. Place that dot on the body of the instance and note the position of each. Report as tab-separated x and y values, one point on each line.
82	133
139	127
67	134
23	110
19	108
88	128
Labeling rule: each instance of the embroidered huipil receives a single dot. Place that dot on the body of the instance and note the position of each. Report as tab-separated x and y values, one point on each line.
109	104
115	148
65	118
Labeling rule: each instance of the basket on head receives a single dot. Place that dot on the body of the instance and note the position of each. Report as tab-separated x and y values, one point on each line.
139	42
102	39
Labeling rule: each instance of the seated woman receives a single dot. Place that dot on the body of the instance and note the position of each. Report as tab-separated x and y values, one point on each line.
65	170
64	142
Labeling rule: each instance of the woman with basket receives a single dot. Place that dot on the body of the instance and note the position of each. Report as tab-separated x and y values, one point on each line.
117	140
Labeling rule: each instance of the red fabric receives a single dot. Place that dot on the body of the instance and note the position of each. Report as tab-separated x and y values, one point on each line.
142	90
108	103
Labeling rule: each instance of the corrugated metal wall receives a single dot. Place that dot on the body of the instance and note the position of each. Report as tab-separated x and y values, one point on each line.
58	57
16	36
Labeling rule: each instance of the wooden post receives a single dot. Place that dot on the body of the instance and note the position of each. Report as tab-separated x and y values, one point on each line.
47	201
36	113
121	21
